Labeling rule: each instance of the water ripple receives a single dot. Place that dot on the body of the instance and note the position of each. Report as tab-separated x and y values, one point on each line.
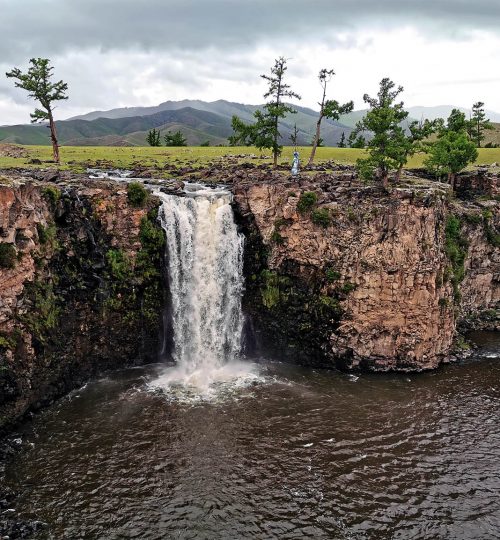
303	455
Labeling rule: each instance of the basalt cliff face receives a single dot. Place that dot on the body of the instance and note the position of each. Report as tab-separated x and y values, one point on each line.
337	274
341	274
80	286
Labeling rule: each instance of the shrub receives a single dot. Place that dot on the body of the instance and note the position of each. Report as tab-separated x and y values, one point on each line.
321	217
306	201
332	275
52	195
46	235
328	307
487	214
348	287
7	256
119	264
351	214
270	288
8	341
473	219
137	194
492	236
443	303
277	238
456	250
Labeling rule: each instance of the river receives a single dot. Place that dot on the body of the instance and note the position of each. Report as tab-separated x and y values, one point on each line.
296	453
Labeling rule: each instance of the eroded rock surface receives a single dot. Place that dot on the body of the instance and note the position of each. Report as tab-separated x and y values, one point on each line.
377	283
81	286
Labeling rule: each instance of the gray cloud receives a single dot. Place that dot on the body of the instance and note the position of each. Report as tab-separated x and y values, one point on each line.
50	27
140	52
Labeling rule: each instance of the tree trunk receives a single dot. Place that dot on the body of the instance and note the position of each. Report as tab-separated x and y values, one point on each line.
316	140
398	173
451	179
385	180
53	136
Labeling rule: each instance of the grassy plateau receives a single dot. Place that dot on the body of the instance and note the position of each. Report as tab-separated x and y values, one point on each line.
78	158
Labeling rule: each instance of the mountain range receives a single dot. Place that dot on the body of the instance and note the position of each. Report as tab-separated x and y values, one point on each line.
199	122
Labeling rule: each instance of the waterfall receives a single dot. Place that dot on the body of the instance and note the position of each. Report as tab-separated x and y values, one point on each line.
205	272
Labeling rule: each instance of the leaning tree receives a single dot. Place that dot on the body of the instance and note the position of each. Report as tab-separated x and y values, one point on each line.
37	82
328	108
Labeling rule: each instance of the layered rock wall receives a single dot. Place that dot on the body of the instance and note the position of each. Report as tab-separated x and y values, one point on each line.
394	272
81	287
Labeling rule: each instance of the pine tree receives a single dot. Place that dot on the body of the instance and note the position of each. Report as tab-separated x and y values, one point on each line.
37	82
452	151
264	133
413	142
175	139
356	140
478	123
342	143
388	146
294	136
153	137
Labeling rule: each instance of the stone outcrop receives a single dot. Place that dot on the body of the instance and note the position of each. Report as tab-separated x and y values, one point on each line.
361	278
81	286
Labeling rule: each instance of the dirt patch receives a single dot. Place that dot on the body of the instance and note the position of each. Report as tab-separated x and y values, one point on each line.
13	151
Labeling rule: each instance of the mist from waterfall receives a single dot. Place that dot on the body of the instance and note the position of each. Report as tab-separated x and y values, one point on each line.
205	272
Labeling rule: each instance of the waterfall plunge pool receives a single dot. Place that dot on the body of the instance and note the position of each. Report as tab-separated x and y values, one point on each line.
301	454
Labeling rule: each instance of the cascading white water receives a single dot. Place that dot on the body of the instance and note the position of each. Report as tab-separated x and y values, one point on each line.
205	266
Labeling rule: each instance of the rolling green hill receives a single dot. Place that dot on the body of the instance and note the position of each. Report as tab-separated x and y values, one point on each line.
199	122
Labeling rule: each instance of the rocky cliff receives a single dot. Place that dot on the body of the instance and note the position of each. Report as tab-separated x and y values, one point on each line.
343	274
337	274
80	286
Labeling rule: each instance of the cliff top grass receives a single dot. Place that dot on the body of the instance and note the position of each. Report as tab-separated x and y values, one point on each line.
78	158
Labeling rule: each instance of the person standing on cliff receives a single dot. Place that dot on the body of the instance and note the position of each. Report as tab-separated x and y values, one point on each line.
295	165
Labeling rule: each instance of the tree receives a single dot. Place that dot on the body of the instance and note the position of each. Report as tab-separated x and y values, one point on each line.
153	137
456	122
356	141
37	82
327	108
452	151
388	146
414	140
175	139
264	133
294	136
478	123
342	143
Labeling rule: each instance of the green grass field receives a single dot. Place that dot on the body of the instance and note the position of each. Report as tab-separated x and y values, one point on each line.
77	158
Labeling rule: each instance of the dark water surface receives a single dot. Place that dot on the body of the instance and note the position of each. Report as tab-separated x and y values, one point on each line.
308	454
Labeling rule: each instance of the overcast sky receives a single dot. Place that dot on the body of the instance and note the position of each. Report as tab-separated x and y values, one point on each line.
116	53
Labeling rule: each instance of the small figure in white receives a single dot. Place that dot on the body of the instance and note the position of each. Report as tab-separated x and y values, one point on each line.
295	165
